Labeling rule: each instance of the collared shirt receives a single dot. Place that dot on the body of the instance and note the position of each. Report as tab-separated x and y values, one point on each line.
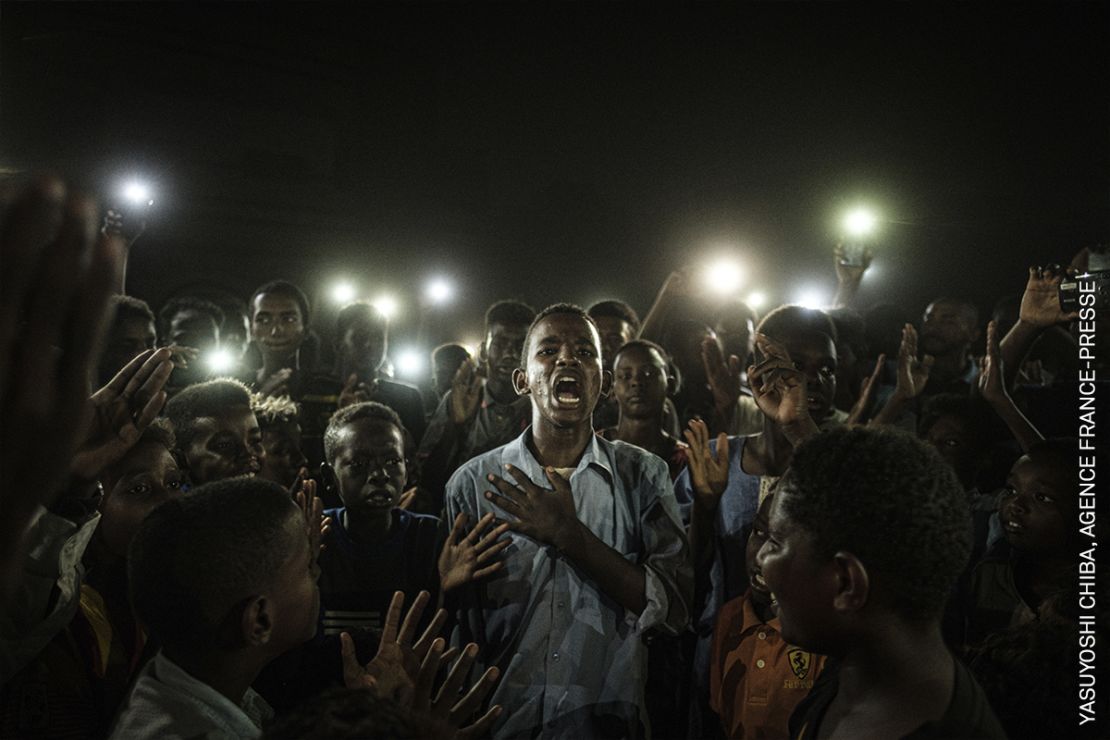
572	659
755	677
446	446
994	602
167	702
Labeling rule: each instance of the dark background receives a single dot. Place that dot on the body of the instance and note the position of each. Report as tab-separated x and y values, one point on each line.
569	152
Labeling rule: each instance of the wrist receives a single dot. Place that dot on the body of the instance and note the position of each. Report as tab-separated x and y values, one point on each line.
568	538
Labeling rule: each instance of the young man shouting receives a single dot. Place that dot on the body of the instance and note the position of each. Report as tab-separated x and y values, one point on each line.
598	554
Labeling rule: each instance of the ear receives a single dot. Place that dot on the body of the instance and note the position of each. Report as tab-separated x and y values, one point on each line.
853	585
606	383
256	621
520	382
672	383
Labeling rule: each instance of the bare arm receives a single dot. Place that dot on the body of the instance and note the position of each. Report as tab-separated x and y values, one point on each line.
993	391
1040	309
655	323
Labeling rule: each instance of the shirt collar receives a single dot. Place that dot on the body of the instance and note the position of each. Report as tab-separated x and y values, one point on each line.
247	716
749	620
597	455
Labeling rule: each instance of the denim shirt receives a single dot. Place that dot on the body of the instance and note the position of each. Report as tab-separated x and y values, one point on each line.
572	659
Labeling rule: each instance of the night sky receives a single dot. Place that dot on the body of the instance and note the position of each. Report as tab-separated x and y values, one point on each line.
572	152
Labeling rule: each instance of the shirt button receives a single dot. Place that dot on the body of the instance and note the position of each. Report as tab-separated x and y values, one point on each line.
760	663
555	657
762	635
561	604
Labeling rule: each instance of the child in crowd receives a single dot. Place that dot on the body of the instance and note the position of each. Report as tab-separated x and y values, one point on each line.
1037	556
870	595
641	383
282	459
755	677
217	433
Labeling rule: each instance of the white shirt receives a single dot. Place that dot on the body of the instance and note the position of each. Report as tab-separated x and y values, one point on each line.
167	702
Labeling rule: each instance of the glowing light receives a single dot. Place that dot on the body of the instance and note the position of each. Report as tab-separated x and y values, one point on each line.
811	298
343	292
756	300
859	222
439	291
410	363
220	361
137	193
723	276
386	305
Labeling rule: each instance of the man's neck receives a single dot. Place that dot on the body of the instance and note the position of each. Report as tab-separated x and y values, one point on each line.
647	432
501	391
229	674
771	451
559	447
368	526
272	363
896	665
950	366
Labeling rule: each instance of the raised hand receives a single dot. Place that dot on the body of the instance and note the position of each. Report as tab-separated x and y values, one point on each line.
312	508
866	393
849	273
121	411
466	392
408	498
724	378
991	387
708	473
1040	304
277	384
395	669
913	374
354	391
447	706
182	355
469	558
544	514
779	388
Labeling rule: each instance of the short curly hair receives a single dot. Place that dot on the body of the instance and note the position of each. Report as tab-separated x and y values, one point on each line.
353	413
187	303
200	400
509	312
555	308
889	499
791	319
616	309
273	411
195	557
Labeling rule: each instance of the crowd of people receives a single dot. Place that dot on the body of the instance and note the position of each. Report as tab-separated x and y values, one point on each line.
846	522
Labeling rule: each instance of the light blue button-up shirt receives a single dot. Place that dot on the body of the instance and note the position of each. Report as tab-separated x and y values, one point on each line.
572	659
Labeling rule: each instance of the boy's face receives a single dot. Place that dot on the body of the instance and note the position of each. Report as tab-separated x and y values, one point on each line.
615	333
128	338
815	355
955	443
946	328
758	536
363	344
143	479
564	374
369	465
798	579
190	328
277	325
1036	508
224	446
735	334
640	383
503	343
282	457
235	335
444	367
294	594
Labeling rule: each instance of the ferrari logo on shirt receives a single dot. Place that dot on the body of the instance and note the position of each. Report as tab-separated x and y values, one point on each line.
799	662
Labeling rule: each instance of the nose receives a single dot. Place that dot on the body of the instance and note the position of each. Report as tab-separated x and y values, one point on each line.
759	558
567	356
378	472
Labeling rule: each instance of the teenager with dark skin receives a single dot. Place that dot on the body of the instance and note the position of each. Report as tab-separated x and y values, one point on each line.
640	385
279	324
948	329
217	433
873	599
564	377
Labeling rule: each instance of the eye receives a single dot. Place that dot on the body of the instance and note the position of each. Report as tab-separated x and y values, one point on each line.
139	489
394	462
828	370
1007	493
547	351
586	352
173	484
356	464
1044	498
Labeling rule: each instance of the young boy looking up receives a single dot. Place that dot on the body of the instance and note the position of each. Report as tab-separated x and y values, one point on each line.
755	677
870	595
1038	510
482	410
225	579
217	433
374	548
598	556
641	382
282	458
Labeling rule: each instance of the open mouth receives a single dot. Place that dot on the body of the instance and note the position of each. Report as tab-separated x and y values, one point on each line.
380	498
1014	526
758	583
568	391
